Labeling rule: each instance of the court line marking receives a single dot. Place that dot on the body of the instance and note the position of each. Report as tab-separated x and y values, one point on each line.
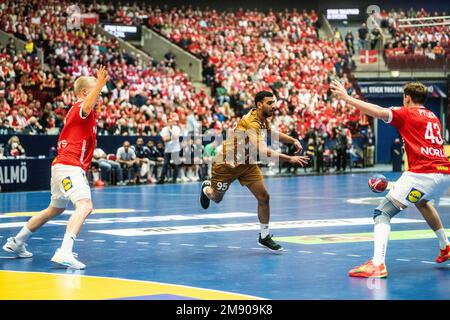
140	219
164	243
278	195
232	227
148	282
229	247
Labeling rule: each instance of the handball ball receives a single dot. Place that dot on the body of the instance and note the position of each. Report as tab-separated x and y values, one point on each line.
378	183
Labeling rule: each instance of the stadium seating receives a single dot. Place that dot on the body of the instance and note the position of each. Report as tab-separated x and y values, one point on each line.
416	48
253	51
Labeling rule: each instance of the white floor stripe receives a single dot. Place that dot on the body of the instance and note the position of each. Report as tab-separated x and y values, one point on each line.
57	239
37	238
186	229
210	246
231	247
428	262
301	251
186	244
406	260
257	248
353	255
139	242
81	240
329	253
98	240
164	243
120	241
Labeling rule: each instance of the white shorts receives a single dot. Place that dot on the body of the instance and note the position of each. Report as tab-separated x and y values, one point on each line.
412	187
68	183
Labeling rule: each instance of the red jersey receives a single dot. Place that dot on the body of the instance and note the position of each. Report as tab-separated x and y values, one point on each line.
77	140
421	132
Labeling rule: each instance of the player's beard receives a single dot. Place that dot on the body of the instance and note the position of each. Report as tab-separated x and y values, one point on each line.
268	113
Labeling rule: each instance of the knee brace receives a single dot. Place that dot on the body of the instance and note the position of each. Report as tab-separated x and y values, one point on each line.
385	211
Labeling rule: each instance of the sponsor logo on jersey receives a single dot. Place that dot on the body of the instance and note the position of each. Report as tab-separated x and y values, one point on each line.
442	168
414	195
67	184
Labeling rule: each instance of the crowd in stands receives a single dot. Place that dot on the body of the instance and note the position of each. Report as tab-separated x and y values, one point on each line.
246	51
429	44
243	52
138	95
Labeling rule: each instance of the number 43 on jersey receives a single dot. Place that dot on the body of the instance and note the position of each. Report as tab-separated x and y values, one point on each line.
433	133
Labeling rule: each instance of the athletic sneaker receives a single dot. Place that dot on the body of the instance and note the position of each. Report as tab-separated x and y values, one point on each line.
204	200
67	260
444	255
369	270
268	243
18	249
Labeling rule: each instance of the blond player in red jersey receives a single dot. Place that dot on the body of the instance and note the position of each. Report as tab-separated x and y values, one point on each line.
428	171
76	145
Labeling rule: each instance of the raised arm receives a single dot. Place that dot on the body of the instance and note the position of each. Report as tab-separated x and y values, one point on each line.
91	99
368	108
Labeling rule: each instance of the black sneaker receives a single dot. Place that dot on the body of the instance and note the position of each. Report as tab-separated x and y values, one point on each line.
268	243
204	200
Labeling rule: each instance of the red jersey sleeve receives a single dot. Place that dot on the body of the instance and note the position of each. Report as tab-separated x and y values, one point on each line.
397	116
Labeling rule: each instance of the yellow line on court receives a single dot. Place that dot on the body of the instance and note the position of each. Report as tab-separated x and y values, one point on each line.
18	285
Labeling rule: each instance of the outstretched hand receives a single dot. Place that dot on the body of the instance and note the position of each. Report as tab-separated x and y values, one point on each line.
338	89
299	160
298	147
102	75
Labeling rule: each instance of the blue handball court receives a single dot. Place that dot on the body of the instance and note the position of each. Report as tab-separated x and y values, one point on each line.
156	242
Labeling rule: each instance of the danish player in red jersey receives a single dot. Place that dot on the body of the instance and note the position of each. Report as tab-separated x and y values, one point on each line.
76	145
428	171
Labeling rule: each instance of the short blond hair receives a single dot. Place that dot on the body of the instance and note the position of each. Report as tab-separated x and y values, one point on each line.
83	83
417	91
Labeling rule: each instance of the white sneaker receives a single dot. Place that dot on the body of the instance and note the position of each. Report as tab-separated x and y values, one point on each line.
18	249
67	259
